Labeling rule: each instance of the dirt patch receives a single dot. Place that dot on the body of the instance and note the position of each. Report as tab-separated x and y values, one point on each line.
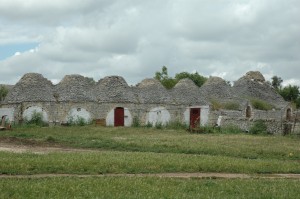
19	145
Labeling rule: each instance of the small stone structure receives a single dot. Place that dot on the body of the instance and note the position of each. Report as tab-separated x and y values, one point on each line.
112	100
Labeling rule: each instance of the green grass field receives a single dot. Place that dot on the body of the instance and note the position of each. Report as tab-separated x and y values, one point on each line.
147	150
137	187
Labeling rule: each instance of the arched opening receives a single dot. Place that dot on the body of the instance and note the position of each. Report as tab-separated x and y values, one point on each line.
248	112
35	111
119	116
195	117
288	114
158	116
78	115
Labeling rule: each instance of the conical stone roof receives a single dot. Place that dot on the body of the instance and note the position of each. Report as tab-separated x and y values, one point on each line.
152	91
188	93
75	88
250	86
32	87
114	89
216	88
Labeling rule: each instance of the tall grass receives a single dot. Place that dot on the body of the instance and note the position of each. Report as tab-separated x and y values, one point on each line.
137	162
261	105
161	141
150	187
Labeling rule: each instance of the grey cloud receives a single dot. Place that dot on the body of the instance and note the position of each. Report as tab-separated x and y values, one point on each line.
136	38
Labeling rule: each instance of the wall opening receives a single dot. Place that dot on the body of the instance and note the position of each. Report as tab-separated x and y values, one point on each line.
195	117
288	114
248	112
119	116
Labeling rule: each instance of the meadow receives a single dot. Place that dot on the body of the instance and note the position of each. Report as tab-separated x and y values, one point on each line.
106	150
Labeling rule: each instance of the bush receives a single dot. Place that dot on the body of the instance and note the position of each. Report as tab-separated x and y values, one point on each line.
259	127
36	119
227	105
231	106
159	125
149	125
79	121
136	122
216	105
261	105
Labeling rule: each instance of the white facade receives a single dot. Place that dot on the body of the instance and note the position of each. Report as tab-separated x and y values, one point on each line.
110	118
158	115
204	113
9	112
76	113
27	115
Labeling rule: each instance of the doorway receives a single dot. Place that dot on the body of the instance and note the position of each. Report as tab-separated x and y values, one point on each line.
119	116
195	117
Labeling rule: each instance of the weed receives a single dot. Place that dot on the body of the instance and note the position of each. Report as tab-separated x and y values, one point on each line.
159	125
176	125
36	120
231	129
259	127
231	106
149	125
216	105
136	122
79	121
50	139
261	105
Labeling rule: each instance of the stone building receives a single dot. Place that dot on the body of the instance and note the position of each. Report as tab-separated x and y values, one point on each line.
112	100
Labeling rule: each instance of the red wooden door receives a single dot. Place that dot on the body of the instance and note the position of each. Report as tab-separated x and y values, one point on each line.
119	116
194	117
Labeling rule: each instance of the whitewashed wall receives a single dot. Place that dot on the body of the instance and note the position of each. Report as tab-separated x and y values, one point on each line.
158	115
110	118
76	113
29	111
9	112
204	114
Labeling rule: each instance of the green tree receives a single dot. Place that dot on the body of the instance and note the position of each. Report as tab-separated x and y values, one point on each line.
163	77
169	82
195	77
3	92
290	93
276	82
298	102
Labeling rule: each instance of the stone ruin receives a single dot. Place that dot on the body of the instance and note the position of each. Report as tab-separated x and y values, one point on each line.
148	101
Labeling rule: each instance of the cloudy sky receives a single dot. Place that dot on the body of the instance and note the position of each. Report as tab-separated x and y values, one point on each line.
135	38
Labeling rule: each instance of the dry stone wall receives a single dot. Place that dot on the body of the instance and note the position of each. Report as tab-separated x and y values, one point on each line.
98	99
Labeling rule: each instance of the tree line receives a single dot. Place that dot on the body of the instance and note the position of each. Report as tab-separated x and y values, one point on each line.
290	93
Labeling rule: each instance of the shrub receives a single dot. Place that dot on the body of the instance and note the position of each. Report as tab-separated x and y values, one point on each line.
136	122
159	125
36	119
216	105
259	127
149	125
227	105
231	106
261	105
79	121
